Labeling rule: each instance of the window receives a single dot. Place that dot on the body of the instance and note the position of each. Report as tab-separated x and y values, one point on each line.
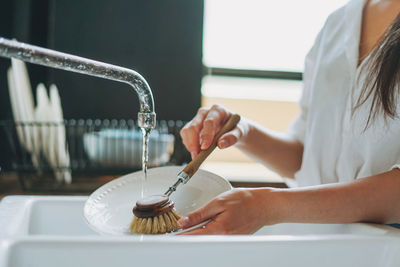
256	40
272	35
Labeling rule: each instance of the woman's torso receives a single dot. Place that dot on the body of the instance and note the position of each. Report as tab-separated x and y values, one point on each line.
337	147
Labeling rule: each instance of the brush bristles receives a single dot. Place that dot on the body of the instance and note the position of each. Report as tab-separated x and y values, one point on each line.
161	224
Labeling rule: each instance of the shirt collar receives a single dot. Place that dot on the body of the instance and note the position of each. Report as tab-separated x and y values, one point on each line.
353	20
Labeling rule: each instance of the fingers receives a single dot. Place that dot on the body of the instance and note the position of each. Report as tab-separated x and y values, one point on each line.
207	212
230	138
198	134
209	229
190	133
215	118
220	225
190	139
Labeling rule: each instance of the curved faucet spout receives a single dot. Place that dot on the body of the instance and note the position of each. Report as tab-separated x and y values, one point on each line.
58	60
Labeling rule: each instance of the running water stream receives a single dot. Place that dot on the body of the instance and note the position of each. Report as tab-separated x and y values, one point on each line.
145	159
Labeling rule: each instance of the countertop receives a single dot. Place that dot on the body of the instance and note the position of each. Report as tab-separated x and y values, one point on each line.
238	174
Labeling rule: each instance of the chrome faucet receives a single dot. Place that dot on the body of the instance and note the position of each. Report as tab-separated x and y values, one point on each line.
58	60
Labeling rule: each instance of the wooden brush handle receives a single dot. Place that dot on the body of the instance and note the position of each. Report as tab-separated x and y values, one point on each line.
194	165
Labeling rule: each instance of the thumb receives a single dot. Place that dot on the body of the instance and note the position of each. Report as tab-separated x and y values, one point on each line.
229	139
200	215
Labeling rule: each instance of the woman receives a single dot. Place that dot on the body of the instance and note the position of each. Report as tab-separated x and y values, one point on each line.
348	129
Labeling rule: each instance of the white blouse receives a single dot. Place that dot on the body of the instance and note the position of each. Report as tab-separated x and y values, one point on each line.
336	147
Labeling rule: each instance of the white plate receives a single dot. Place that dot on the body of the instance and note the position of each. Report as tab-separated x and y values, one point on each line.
23	108
59	150
109	209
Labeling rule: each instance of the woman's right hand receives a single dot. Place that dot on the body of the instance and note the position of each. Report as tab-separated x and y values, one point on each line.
198	134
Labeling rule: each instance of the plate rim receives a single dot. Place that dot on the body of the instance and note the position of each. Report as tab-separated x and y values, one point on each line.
106	188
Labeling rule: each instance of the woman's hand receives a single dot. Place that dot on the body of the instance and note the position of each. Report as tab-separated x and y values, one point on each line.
198	134
238	211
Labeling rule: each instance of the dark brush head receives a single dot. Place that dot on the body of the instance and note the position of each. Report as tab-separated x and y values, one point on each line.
152	206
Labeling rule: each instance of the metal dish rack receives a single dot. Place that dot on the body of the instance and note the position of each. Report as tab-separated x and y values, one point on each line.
84	140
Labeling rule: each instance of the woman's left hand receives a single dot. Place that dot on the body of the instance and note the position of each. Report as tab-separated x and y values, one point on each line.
238	211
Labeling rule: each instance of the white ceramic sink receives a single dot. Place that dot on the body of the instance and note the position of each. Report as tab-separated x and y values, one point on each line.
27	216
51	231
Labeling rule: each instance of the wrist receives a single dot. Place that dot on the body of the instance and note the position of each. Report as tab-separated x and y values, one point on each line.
273	203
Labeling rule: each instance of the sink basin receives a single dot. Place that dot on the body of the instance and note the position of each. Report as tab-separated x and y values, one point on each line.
43	215
63	216
202	251
51	231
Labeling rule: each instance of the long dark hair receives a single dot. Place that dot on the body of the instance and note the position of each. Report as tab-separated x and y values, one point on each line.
383	75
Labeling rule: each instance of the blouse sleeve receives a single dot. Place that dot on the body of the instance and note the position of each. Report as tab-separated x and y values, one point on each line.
397	166
297	128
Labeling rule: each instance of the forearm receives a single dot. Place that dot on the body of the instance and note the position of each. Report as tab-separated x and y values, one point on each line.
279	152
373	199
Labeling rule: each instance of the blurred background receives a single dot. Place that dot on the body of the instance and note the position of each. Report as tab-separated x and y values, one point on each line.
245	54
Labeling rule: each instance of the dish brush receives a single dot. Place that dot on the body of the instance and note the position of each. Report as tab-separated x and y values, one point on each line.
156	214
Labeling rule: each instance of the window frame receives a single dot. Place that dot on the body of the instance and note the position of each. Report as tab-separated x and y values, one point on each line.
251	73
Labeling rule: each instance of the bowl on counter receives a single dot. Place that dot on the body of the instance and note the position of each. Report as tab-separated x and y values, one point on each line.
123	147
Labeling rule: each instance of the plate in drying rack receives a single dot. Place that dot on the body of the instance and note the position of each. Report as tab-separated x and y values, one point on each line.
109	209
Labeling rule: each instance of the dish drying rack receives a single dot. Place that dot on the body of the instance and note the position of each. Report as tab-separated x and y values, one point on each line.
99	150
